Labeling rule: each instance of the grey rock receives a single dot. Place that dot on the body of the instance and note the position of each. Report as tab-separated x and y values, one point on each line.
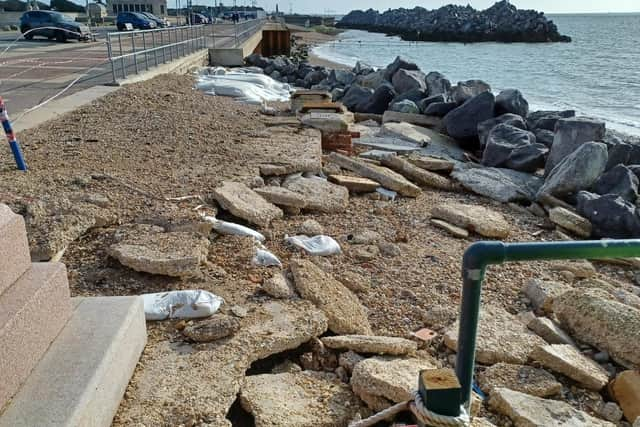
576	172
337	94
527	158
503	185
315	77
610	215
437	84
502	140
406	80
512	101
405	106
398	64
362	69
440	109
356	95
464	91
547	119
415	95
462	123
379	100
424	103
618	154
371	81
570	134
509	119
342	77
544	136
619	181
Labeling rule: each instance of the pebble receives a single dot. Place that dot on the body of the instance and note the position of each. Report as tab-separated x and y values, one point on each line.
389	250
239	311
610	411
601	357
311	227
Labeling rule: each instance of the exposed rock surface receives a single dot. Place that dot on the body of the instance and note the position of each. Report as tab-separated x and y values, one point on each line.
566	360
503	185
620	181
610	215
304	399
542	293
501	338
344	310
478	219
371	344
178	254
529	411
462	123
278	287
245	203
570	134
508	119
513	102
525	379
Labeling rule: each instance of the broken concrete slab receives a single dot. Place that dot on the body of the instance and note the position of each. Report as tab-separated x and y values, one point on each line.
626	391
246	204
570	221
478	219
549	331
592	317
355	184
406	131
384	176
281	196
617	293
433	164
320	195
567	360
542	293
175	254
501	338
328	122
503	185
342	307
418	175
212	328
303	399
580	269
394	346
530	411
522	378
278	286
452	229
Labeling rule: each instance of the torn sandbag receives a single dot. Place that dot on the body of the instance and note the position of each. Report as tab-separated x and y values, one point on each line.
230	228
264	258
320	245
251	88
188	304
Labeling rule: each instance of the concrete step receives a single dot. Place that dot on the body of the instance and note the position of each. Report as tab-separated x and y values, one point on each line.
83	376
14	248
32	312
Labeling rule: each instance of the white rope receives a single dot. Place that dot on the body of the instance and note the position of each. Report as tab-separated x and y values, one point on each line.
420	411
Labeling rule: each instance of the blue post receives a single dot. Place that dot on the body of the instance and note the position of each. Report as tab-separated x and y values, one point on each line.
15	147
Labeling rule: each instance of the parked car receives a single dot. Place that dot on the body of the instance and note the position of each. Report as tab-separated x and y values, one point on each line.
198	18
52	25
160	23
137	20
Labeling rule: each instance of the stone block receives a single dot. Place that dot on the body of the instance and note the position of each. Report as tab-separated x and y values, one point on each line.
14	249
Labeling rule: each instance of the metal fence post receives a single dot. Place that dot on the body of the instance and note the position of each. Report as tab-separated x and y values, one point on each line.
153	42
133	47
122	61
146	54
110	52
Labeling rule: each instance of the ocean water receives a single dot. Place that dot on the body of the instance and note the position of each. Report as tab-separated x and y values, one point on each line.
598	74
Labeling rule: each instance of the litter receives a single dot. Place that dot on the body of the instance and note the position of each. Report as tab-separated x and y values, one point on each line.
188	304
264	258
320	245
387	194
230	228
246	87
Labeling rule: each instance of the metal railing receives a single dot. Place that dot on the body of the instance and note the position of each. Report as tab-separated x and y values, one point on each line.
133	52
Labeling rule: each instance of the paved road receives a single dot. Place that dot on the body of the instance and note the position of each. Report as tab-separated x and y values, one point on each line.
33	71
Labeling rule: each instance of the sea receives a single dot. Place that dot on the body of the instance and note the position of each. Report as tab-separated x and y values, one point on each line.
598	74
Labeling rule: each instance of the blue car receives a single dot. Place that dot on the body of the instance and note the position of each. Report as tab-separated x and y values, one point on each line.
137	21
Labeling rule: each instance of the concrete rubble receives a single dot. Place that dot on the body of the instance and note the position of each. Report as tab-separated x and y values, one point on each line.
566	360
478	219
320	195
521	378
245	203
371	344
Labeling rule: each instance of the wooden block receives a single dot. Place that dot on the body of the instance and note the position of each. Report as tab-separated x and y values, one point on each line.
440	391
354	183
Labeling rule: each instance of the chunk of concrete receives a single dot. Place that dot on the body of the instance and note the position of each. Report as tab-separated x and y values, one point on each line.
328	122
320	195
343	309
14	248
452	229
212	328
626	391
281	196
549	331
175	254
581	269
501	338
278	287
418	175
478	219
245	203
571	221
568	361
530	411
355	184
303	399
543	292
406	131
432	164
84	374
394	346
503	185
391	378
388	178
32	312
522	378
592	317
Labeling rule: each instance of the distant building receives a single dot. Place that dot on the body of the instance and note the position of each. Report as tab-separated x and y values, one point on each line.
97	11
157	7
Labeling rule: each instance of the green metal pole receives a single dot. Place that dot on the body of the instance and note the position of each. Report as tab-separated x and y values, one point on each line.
482	254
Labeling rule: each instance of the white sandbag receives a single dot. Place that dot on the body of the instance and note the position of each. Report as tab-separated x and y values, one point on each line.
180	304
317	245
264	258
230	228
251	88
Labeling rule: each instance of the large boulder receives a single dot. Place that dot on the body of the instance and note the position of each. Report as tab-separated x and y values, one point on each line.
315	77
512	101
547	119
362	69
341	77
398	64
619	181
508	119
610	215
464	91
570	134
437	84
544	136
576	172
618	154
372	80
462	123
379	101
424	103
406	80
356	95
527	158
405	106
591	316
415	95
439	109
503	185
502	141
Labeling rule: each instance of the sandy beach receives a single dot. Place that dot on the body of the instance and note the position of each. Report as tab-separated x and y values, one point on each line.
310	37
